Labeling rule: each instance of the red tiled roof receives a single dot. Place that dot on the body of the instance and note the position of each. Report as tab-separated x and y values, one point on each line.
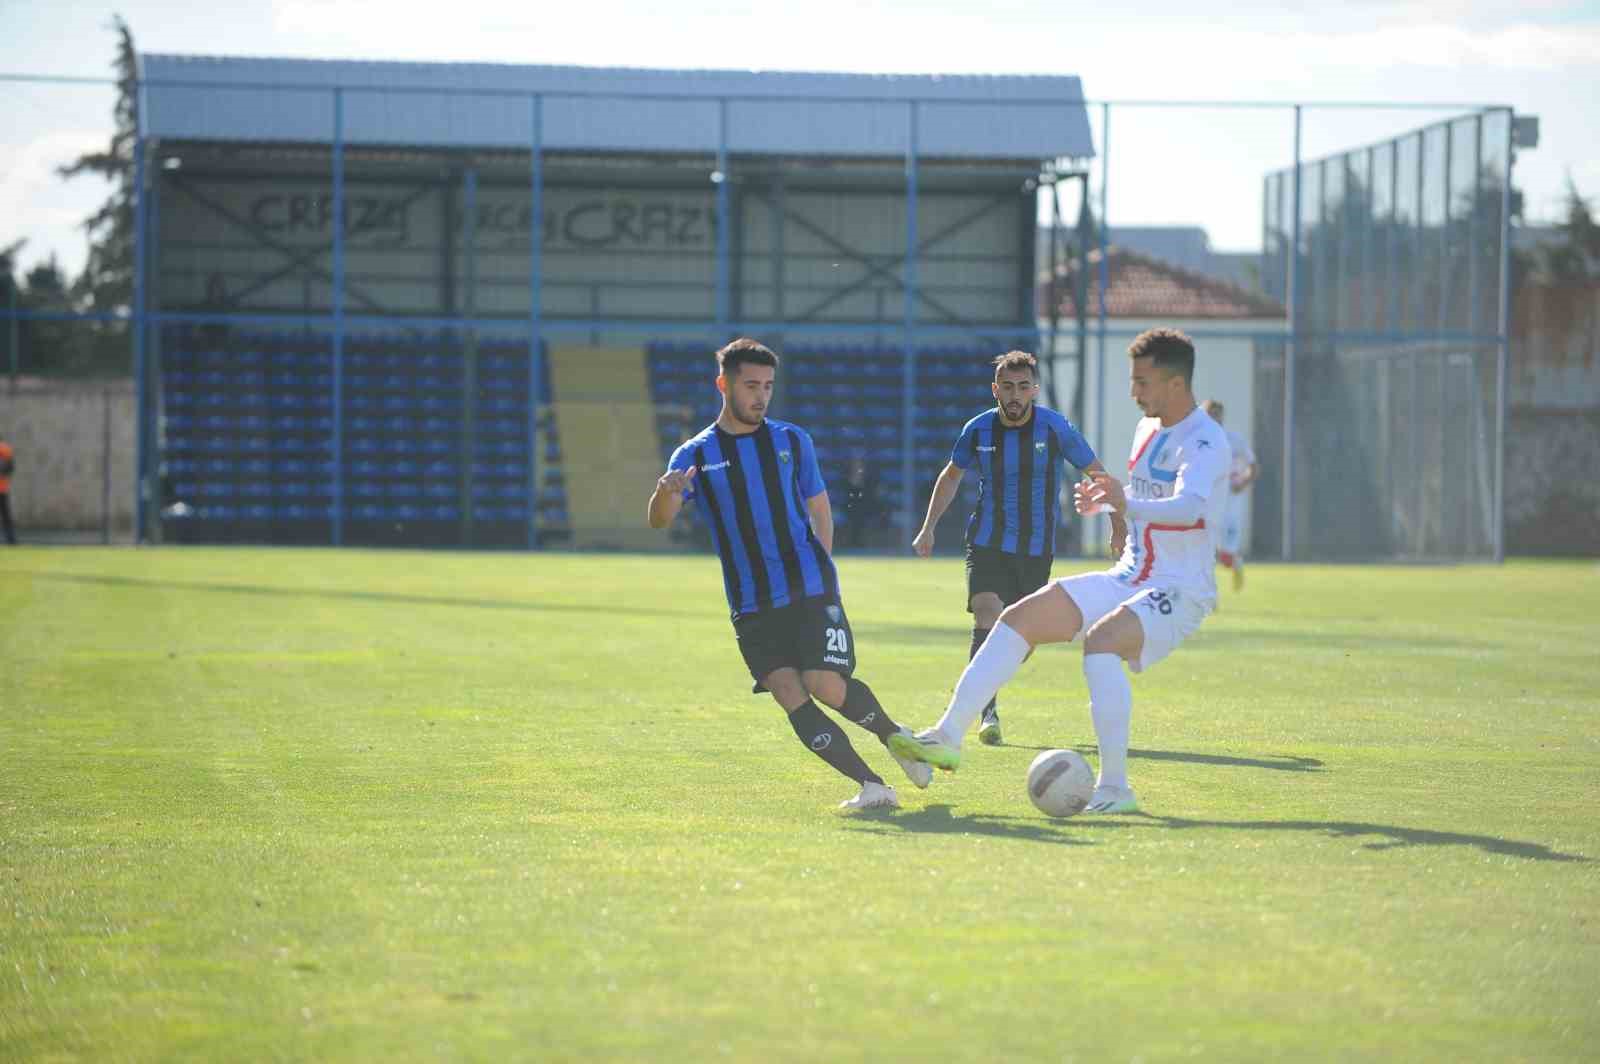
1142	287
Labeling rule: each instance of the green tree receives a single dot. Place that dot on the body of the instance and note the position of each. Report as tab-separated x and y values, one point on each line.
1576	258
106	284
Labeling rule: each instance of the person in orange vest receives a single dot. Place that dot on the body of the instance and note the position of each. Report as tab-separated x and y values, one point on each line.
7	464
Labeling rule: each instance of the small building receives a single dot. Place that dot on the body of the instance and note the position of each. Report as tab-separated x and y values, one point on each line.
1142	293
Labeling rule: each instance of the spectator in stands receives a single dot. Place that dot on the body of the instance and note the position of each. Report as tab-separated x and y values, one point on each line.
863	502
7	464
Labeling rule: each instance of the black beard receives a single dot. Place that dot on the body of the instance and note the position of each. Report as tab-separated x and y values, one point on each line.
741	418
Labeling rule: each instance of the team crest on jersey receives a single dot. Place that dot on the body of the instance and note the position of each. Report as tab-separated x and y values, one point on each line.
835	614
783	456
1039	447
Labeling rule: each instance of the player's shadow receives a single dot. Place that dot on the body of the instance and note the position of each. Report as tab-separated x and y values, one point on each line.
938	819
386	597
1388	836
1276	762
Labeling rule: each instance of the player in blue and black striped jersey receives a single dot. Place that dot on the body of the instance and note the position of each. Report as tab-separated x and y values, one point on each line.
1017	449
757	486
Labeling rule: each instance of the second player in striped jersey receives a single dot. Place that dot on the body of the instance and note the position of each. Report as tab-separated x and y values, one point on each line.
1016	448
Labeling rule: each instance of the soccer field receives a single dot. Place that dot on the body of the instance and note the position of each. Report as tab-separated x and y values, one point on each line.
317	805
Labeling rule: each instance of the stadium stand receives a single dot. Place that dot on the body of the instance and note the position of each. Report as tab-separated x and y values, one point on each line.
247	433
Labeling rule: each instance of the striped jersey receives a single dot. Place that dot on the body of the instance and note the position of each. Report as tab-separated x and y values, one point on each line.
1018	491
751	491
1189	460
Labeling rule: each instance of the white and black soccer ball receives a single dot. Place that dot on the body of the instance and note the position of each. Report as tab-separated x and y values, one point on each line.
1060	783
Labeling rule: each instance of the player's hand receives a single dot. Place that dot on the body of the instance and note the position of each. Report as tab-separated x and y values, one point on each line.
1119	538
675	481
923	544
1099	492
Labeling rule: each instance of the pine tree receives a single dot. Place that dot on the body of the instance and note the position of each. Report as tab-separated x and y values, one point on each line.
106	284
1577	258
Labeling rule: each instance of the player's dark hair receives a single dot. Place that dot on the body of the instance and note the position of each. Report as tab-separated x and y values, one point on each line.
1016	360
743	352
1212	407
1169	349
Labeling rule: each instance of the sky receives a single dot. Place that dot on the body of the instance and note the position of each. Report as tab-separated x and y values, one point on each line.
1167	166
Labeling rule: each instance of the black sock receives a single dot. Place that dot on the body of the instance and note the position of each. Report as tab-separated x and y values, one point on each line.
978	636
823	738
861	707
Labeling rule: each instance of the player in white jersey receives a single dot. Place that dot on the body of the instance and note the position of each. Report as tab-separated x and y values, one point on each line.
1241	474
1141	608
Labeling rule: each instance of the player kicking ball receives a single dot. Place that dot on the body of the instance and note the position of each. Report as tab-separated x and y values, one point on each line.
1139	610
756	483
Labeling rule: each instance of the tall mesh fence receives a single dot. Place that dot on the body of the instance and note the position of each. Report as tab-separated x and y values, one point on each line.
1391	420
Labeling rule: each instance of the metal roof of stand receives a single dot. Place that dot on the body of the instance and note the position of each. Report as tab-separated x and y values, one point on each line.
480	105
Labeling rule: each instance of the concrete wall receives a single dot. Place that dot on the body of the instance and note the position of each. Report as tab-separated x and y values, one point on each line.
74	445
1552	497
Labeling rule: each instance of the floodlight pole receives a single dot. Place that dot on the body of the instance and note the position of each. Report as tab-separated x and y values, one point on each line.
1503	349
337	527
1105	280
1290	351
468	481
136	322
535	310
908	376
724	294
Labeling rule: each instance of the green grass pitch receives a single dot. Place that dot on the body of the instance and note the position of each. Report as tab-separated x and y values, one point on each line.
317	805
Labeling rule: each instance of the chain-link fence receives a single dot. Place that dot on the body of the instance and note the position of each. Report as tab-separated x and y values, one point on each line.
1389	390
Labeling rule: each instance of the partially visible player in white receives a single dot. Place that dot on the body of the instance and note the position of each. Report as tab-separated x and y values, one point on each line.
1241	474
1141	608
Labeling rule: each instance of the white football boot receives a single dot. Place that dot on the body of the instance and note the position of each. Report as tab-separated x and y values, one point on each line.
872	796
1108	799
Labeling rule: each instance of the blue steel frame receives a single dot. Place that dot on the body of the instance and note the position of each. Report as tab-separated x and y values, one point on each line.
141	429
538	326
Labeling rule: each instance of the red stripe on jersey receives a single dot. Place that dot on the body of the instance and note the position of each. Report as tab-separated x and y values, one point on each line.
1150	544
1137	454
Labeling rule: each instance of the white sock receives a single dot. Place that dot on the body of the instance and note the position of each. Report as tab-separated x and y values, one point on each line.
1111	707
994	663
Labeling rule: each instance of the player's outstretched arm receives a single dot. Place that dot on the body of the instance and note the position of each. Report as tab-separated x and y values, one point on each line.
667	499
944	492
1119	521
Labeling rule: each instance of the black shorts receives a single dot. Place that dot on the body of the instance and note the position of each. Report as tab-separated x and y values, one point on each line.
813	633
1011	576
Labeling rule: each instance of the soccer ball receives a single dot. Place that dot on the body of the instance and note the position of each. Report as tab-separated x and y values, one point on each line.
1060	782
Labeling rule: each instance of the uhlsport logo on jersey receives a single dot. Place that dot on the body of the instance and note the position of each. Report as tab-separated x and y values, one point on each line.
822	742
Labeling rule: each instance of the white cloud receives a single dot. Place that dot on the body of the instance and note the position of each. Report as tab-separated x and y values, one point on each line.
38	205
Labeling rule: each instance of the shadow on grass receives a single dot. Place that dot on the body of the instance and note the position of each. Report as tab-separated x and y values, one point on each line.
937	819
1218	638
1278	762
386	597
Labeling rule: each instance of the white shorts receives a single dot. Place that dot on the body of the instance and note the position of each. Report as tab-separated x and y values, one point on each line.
1168	616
